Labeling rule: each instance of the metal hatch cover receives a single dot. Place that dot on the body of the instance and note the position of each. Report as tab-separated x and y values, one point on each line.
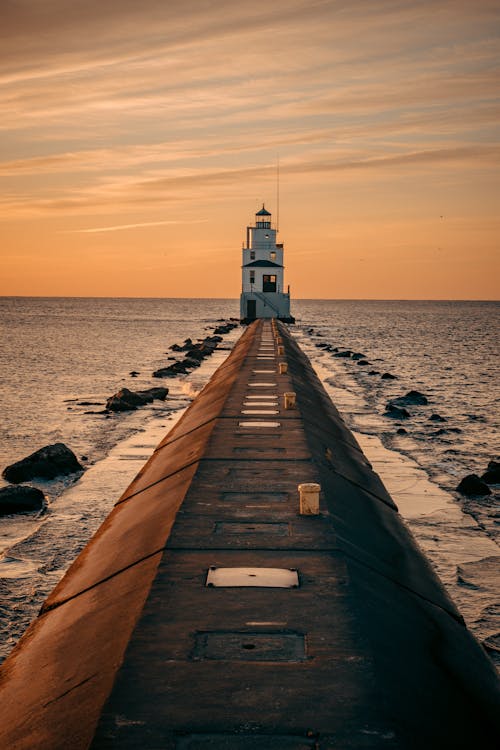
278	578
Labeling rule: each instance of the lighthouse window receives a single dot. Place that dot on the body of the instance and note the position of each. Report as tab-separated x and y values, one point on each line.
272	255
269	283
252	254
252	277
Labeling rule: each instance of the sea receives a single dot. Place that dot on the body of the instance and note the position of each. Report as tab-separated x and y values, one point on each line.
61	358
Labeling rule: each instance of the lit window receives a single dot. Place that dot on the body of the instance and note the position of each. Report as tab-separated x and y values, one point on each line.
272	255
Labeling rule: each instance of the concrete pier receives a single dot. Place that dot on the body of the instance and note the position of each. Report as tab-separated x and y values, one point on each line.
208	612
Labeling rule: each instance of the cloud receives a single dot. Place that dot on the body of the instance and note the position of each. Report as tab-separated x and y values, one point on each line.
118	227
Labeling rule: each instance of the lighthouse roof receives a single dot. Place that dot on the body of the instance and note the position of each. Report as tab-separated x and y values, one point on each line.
262	264
263	212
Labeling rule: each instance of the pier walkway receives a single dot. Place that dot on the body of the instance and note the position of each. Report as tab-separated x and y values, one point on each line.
208	613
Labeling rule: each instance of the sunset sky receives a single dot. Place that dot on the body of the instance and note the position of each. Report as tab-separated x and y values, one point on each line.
139	138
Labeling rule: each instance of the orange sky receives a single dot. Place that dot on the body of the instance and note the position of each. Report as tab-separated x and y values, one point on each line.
138	139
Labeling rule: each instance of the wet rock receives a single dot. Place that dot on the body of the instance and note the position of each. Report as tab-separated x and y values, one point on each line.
388	376
396	412
412	398
182	347
226	328
363	362
472	485
16	499
172	371
402	431
492	474
358	355
47	463
126	400
437	418
345	353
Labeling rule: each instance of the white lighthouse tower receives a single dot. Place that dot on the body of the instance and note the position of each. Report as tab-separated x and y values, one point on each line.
263	292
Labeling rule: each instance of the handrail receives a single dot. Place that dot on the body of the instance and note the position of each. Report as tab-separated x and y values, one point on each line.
266	301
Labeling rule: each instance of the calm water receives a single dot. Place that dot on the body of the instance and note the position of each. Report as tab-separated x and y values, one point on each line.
58	353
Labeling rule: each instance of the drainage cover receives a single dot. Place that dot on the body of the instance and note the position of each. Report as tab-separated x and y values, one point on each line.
278	578
228	646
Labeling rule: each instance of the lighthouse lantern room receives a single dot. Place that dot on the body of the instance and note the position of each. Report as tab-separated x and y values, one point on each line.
263	292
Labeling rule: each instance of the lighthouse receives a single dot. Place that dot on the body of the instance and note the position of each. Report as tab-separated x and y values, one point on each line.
263	293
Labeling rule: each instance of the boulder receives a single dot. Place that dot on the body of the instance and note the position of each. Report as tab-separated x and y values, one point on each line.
472	485
374	372
363	362
345	353
358	355
126	400
437	418
412	398
402	431
396	412
134	373
47	463
20	499
388	376
492	474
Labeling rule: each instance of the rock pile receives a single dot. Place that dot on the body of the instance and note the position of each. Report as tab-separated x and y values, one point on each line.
194	354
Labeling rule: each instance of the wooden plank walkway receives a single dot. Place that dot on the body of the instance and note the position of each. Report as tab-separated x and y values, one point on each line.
134	650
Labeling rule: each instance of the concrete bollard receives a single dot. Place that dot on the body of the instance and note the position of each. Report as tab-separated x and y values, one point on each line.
281	351
283	368
309	499
290	400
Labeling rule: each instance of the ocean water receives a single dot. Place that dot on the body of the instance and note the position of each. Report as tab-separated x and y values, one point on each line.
61	358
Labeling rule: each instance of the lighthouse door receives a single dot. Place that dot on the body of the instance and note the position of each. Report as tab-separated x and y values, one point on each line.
251	309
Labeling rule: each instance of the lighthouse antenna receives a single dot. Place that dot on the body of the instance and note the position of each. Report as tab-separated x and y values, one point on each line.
277	193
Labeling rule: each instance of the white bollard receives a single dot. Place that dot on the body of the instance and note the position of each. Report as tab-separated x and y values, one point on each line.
290	400
309	498
283	368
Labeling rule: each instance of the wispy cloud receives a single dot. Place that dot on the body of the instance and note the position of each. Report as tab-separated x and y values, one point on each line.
119	227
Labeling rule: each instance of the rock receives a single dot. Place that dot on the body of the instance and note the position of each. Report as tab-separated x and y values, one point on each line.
345	353
388	376
374	372
412	398
48	462
358	355
492	474
84	458
15	499
472	485
134	373
172	371
126	400
437	418
402	431
158	393
396	412
363	362
88	403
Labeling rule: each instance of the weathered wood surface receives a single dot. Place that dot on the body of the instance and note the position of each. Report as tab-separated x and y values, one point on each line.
133	650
